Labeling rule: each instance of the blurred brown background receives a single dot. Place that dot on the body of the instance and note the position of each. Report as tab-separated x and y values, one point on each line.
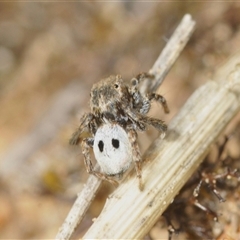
50	55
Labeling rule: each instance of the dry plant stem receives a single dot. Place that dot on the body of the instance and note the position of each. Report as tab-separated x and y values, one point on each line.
170	53
129	213
78	210
160	69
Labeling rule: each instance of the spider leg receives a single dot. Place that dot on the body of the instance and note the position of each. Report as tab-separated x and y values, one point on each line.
140	102
132	135
142	120
161	99
139	78
87	121
143	76
86	144
143	103
136	95
156	123
146	105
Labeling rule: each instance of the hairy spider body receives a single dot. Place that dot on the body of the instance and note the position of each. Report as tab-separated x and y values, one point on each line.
112	101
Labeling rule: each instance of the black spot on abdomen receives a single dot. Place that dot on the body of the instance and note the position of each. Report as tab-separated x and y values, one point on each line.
115	143
101	145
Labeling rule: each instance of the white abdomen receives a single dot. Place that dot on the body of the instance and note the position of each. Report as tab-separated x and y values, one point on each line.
112	149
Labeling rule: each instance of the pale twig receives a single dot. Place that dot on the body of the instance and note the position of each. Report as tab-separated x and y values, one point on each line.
160	69
78	210
169	54
169	162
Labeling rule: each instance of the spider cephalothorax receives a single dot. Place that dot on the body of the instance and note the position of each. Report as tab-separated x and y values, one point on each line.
115	102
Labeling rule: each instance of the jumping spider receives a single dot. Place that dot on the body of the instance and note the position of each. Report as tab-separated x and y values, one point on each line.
116	102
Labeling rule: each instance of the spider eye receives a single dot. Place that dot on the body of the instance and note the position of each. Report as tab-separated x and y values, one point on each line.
115	143
134	82
116	85
101	145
